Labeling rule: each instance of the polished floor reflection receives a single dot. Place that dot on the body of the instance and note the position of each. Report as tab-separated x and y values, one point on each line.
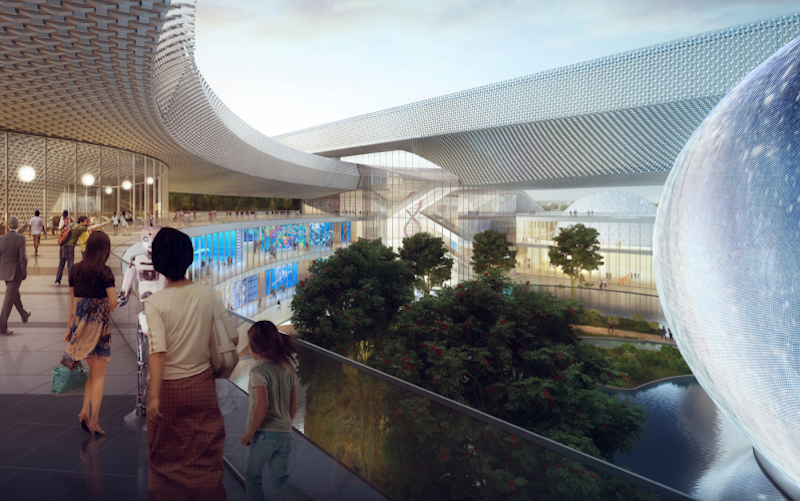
47	456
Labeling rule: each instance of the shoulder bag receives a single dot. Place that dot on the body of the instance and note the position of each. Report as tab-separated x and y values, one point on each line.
67	382
224	356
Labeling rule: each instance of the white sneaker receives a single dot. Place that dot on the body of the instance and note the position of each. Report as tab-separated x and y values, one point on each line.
58	284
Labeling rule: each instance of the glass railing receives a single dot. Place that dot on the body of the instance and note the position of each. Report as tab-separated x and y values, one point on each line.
413	444
391	437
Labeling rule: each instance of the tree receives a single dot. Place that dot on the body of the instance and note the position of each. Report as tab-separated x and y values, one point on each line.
272	205
576	250
513	354
353	298
491	251
428	259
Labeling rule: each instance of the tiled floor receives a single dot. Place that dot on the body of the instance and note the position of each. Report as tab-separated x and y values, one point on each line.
47	456
44	454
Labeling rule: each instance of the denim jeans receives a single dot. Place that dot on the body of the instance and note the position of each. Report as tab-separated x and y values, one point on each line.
271	447
66	255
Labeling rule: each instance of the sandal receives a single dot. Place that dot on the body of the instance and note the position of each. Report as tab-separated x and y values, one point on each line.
83	419
95	428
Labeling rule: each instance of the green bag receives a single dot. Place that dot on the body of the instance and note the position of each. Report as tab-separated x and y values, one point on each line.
67	382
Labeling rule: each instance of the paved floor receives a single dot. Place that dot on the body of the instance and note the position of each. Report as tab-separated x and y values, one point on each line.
28	356
44	453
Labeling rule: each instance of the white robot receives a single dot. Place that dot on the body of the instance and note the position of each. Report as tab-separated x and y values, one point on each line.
150	281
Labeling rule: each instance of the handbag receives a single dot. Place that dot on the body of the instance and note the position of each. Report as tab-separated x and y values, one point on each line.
68	382
224	356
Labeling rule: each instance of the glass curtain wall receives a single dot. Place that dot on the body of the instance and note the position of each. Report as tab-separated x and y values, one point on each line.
402	194
53	175
626	247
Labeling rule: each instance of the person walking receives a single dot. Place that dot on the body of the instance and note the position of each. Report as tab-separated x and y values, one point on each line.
64	221
35	229
185	429
126	228
115	222
271	410
91	286
663	332
13	270
611	326
66	254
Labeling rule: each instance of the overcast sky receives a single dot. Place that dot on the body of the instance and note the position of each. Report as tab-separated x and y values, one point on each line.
284	65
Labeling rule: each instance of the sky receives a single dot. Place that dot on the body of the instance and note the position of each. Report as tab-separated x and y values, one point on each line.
284	65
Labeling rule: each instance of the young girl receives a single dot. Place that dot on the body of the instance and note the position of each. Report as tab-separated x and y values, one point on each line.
273	404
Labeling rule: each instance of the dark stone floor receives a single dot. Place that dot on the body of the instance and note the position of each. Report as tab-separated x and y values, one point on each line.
45	455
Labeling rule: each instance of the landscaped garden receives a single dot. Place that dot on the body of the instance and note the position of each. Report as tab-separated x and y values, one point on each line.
645	366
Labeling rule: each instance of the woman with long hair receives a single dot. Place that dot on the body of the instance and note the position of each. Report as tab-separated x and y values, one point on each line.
91	286
185	430
273	405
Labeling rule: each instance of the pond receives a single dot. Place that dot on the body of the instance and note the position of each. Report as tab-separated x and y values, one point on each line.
689	445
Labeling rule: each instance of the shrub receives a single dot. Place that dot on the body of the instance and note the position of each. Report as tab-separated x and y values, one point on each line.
671	352
679	365
633	368
628	348
648	357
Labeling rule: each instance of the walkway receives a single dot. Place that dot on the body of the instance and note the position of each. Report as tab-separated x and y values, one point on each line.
47	456
603	333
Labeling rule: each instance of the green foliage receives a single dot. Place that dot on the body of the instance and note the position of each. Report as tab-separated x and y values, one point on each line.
649	365
512	354
577	250
491	251
648	357
487	343
595	319
563	207
353	298
194	201
676	361
428	259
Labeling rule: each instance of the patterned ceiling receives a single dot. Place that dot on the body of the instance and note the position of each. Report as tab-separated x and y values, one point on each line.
122	74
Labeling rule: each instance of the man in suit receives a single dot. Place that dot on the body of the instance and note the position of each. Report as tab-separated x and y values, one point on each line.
13	269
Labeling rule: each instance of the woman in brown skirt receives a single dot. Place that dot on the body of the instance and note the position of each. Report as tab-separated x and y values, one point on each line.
185	431
91	285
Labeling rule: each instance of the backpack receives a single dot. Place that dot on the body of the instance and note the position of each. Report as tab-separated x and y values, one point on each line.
64	236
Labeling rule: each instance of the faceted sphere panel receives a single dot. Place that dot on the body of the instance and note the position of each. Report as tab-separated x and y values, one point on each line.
727	256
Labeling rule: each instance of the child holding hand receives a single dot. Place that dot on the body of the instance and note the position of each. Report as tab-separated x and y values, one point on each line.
272	407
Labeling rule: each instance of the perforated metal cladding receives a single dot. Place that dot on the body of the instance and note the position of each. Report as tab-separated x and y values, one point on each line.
201	123
618	120
726	257
60	170
87	71
25	197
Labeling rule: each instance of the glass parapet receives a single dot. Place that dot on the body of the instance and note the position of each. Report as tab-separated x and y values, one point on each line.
413	444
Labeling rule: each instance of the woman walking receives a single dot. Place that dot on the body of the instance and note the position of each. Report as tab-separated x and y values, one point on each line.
185	431
91	285
115	222
273	405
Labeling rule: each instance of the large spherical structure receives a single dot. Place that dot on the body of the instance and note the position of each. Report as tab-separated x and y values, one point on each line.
727	257
606	203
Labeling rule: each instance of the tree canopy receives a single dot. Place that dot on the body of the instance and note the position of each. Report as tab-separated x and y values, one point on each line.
576	250
491	251
353	296
428	259
488	343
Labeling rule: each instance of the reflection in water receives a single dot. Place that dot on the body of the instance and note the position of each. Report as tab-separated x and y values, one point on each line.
689	445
